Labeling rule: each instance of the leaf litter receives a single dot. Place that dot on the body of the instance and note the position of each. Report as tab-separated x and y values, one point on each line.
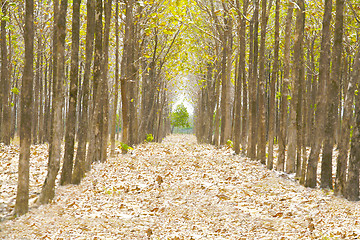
175	190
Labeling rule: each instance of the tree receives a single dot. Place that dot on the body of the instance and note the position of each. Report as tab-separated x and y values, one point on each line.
116	94
274	76
324	69
332	101
66	172
261	150
48	189
5	80
352	184
180	117
22	197
254	56
344	141
280	166
80	161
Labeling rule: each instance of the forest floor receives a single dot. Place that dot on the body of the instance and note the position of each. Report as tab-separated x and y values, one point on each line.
175	190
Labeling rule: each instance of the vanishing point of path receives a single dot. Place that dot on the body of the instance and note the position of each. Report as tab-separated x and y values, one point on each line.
181	190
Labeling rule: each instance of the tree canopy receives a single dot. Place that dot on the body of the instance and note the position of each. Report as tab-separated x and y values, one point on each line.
180	117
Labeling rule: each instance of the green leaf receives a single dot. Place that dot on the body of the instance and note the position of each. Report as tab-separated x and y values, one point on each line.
5	18
15	91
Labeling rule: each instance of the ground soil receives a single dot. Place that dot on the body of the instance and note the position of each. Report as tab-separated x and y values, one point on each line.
178	190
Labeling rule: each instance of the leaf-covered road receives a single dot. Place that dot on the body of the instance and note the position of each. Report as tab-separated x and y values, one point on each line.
182	190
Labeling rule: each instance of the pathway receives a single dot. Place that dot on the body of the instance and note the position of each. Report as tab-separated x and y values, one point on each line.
182	190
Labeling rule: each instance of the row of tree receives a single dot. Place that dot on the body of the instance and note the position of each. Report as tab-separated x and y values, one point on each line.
284	72
63	67
262	77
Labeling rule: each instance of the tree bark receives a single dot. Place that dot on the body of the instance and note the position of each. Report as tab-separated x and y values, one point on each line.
48	189
332	95
284	96
299	80
274	75
352	184
116	94
344	140
98	82
253	85
225	83
5	79
80	163
22	197
242	64
105	85
66	173
324	66
261	81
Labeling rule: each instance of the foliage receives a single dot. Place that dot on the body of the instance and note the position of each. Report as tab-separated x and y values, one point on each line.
125	148
180	117
230	143
149	138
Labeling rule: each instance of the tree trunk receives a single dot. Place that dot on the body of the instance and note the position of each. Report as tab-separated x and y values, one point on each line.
80	166
332	95
284	96
324	67
5	79
253	85
67	168
341	163
299	82
35	119
274	74
105	86
225	83
352	184
48	189
98	82
22	197
242	64
116	94
261	81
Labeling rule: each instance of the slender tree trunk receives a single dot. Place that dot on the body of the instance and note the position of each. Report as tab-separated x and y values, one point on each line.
41	97
22	197
35	126
299	79
261	81
225	84
274	76
237	110
352	184
80	163
253	85
324	67
284	96
5	79
48	189
116	94
242	63
67	168
126	73
332	95
341	163
98	81
292	156
105	85
217	114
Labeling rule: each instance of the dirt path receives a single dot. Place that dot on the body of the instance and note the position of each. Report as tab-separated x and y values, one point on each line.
181	190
